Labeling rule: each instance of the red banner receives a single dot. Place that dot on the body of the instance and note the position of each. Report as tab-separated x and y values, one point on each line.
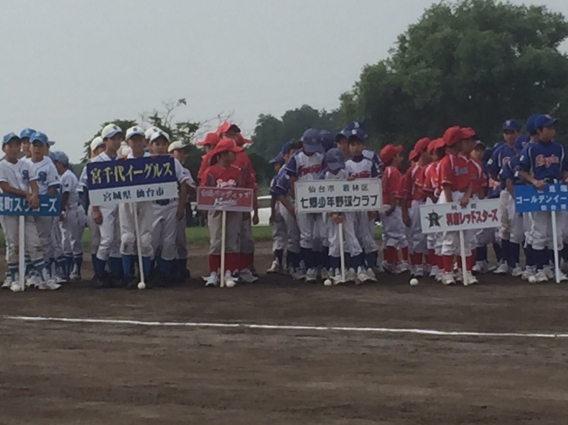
225	199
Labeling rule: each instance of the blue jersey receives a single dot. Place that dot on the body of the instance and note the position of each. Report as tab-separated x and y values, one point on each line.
280	184
499	158
372	155
510	171
305	167
544	161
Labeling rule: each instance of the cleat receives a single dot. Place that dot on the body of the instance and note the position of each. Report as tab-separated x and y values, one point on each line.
371	275
434	270
49	285
503	269
470	279
351	275
337	279
311	276
549	272
517	271
419	271
540	277
212	280
247	276
448	279
274	268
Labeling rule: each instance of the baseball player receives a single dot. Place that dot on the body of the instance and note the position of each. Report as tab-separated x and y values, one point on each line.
280	190
543	162
359	166
107	220
178	151
25	135
17	178
48	183
279	231
394	236
454	178
167	213
72	219
306	165
222	173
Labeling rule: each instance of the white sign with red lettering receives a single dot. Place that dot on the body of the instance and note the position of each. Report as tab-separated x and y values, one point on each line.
478	214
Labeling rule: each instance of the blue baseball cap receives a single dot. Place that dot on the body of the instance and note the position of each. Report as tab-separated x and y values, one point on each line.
531	129
60	157
511	124
356	134
278	159
38	136
544	121
9	137
284	148
311	141
355	125
26	133
327	140
51	155
521	141
334	159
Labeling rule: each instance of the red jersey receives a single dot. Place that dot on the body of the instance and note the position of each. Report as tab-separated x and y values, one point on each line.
430	184
392	187
453	170
203	167
417	177
218	176
478	179
242	161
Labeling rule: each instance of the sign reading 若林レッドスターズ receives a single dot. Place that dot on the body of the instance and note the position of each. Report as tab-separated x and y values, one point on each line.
477	214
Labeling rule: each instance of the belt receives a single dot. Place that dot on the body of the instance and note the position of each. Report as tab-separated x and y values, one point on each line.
164	202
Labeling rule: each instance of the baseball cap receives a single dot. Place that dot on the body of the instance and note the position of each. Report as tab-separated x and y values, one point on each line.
9	137
511	124
135	131
149	131
285	146
26	133
422	145
452	135
241	140
479	144
433	145
60	157
531	129
356	134
389	152
334	159
177	145
544	121
467	132
210	138
157	134
355	125
110	131
521	141
50	142
97	142
39	137
311	141
226	126
278	159
413	155
327	140
226	145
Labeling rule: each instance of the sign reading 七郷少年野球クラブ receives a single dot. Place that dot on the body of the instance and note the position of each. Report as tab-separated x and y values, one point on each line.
477	214
49	205
132	180
225	199
553	197
319	196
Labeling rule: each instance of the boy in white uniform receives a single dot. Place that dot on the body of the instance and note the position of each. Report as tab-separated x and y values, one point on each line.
17	178
73	218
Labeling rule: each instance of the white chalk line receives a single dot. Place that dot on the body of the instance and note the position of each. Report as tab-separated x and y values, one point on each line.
431	332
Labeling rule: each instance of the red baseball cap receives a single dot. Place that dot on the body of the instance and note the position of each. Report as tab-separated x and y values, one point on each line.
422	145
467	132
413	155
452	135
226	145
209	139
226	126
435	144
389	152
242	140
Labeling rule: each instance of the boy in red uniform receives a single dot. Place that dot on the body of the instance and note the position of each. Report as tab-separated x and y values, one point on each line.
394	236
454	178
208	143
223	173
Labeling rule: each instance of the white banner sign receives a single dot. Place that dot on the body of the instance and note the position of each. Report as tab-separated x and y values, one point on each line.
320	196
138	193
478	214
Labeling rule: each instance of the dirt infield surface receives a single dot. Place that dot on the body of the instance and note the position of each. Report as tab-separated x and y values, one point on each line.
127	373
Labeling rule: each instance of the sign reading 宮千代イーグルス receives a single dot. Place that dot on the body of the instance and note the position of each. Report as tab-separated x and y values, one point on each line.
132	180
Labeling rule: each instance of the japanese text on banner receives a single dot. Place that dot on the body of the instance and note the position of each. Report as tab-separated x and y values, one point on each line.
478	214
554	197
225	199
321	196
49	205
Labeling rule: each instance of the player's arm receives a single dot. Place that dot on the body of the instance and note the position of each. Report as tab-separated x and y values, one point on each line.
287	204
464	200
182	200
7	188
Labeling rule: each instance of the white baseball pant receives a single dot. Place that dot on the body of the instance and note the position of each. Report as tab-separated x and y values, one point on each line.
394	234
181	240
352	245
306	224
33	246
364	231
128	242
245	237
164	230
292	230
44	227
451	240
109	245
540	232
516	225
416	239
279	231
72	231
94	231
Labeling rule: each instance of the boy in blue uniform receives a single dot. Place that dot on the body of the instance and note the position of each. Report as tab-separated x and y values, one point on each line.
543	161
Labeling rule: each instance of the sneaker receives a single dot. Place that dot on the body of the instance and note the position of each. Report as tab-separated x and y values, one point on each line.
311	276
297	274
448	279
529	271
49	285
458	275
434	271
517	271
371	275
391	268
564	265
361	276
274	268
75	276
231	281
440	276
212	280
247	276
470	279
419	271
33	281
351	275
379	268
337	279
563	277
403	267
502	269
8	282
540	276
325	274
481	267
15	287
549	272
411	269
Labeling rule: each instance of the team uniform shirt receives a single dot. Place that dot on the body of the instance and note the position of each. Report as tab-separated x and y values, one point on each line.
218	176
70	184
46	173
511	171
431	185
361	167
102	157
392	184
242	161
280	184
304	167
545	161
498	159
477	174
18	175
372	155
453	170
205	159
414	183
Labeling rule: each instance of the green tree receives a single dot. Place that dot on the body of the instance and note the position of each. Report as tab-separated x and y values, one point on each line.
474	62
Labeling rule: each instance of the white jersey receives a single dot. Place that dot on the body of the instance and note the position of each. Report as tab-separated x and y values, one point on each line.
45	173
304	167
341	175
361	167
17	175
102	157
70	184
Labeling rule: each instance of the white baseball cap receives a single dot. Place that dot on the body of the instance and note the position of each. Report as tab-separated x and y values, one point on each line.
148	133
177	145
135	131
159	133
97	142
110	131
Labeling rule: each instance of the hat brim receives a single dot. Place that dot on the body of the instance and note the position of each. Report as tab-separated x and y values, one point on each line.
312	148
19	139
112	134
354	138
234	149
334	166
549	123
137	133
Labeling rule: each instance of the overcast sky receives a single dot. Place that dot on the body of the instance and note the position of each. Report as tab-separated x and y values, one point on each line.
69	65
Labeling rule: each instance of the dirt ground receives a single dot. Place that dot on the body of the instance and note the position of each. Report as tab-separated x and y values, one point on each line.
104	373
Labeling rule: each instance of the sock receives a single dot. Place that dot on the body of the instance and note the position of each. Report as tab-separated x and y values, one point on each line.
78	261
181	266
514	254
498	252
404	253
481	253
307	257
391	255
68	265
40	267
61	265
127	261
165	267
325	257
469	262
358	261
540	258
549	259
347	256
371	259
247	260
214	263
416	259
529	255
99	267
317	257
115	266
294	259
431	257
232	262
278	254
13	270
146	267
447	261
